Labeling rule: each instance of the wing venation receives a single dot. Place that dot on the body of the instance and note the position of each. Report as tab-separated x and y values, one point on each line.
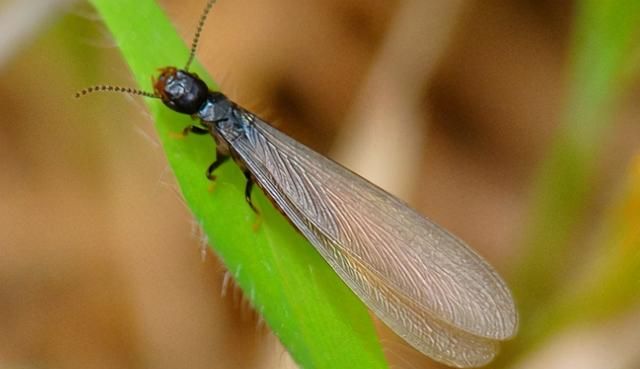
424	283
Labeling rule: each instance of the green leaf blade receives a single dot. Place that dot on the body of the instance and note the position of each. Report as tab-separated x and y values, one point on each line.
318	319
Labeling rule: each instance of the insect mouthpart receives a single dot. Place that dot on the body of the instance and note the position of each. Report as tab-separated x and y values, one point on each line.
180	90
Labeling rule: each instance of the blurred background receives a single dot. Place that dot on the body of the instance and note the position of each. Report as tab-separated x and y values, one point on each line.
512	123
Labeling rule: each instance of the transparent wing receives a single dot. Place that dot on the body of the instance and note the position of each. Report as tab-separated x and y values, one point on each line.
424	283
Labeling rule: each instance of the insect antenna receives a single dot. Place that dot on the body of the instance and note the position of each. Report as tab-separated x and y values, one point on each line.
111	88
196	37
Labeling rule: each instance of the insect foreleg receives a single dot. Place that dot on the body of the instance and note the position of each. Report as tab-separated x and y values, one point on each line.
194	129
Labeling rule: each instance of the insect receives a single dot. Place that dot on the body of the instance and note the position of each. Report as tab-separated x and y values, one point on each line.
427	285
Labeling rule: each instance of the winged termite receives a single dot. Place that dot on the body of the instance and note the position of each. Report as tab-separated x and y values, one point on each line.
424	283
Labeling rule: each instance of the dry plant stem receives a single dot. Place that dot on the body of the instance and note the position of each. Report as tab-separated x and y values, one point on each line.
386	117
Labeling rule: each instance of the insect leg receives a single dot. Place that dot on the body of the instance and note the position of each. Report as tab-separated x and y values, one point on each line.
220	159
247	191
194	129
